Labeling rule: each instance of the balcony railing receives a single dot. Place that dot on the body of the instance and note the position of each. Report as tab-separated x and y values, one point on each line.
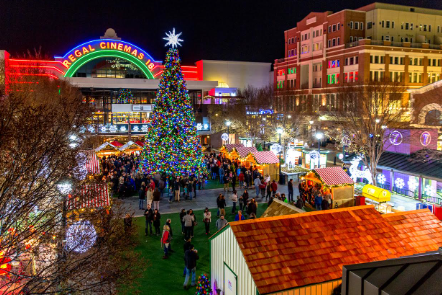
393	44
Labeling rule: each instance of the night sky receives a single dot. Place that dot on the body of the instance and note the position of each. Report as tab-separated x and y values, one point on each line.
242	30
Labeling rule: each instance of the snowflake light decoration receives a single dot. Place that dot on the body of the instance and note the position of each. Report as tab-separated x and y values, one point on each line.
382	179
173	39
80	236
399	182
429	191
412	184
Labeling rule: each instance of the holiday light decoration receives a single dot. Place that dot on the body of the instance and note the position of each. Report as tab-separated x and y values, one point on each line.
412	184
399	183
429	191
172	145
125	96
203	286
173	39
382	179
80	236
356	173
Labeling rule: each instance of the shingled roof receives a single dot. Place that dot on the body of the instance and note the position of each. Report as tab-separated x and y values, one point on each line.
265	157
290	251
333	176
230	146
244	151
279	208
419	228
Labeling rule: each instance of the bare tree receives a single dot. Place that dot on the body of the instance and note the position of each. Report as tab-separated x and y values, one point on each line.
42	130
363	112
246	113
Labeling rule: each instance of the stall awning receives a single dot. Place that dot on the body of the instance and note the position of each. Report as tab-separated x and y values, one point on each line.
106	146
375	193
130	145
244	151
229	147
333	176
265	157
89	196
92	163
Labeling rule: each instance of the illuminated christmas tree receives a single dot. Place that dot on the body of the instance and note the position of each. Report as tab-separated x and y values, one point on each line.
125	96
203	286
172	144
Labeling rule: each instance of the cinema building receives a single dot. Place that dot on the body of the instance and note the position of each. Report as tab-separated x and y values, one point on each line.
121	80
328	50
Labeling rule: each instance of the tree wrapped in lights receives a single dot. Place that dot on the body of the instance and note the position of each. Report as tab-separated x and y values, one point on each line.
172	145
203	286
125	96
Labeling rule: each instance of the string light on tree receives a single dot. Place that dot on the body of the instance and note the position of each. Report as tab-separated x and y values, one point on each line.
125	96
172	144
80	236
203	286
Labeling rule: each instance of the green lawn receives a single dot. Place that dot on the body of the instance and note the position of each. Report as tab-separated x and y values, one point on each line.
166	276
211	184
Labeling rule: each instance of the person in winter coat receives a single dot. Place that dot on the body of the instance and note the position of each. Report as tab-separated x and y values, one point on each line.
241	179
262	188
190	257
318	202
234	199
221	203
189	188
187	246
221	222
156	221
165	241
226	182
268	190
239	216
141	196
149	196
182	214
207	219
156	199
177	192
148	214
252	207
188	224
233	180
257	183
290	188
274	187
243	200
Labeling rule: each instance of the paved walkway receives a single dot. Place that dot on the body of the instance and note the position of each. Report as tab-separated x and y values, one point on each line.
204	198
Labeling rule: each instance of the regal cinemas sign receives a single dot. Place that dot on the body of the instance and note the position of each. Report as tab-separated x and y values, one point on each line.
105	46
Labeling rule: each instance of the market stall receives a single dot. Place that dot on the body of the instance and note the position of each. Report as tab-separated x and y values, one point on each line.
107	149
228	148
131	147
92	162
90	196
241	152
335	182
266	162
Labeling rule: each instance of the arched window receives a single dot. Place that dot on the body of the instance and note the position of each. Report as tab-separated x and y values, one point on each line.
433	118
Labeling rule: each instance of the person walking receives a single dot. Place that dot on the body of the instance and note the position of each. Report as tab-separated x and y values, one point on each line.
234	199
207	218
141	193
194	223
165	241
262	188
257	182
187	246
149	195
148	214
189	188
190	257
176	187
290	187
252	208
274	186
156	221
318	201
226	182
221	222
241	180
239	216
221	205
156	199
182	214
268	190
188	223
233	180
244	199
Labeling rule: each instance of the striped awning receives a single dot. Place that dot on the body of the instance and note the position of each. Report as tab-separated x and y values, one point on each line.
92	162
230	147
89	196
244	151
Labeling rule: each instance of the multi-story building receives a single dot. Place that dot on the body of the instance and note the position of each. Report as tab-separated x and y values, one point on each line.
108	67
377	42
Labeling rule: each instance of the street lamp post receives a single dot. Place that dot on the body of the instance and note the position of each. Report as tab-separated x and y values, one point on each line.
279	130
319	136
228	123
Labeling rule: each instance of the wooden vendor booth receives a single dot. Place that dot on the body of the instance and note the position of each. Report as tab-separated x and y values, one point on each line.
266	162
228	148
241	152
107	149
334	179
131	147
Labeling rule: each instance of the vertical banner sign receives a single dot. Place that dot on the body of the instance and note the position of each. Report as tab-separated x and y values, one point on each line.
229	281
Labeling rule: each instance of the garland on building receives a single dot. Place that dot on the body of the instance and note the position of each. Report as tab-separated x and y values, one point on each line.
125	96
203	286
172	144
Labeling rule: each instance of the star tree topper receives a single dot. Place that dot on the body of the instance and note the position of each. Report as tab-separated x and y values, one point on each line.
173	39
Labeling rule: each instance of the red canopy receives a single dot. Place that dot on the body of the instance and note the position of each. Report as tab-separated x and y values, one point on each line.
116	143
140	143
